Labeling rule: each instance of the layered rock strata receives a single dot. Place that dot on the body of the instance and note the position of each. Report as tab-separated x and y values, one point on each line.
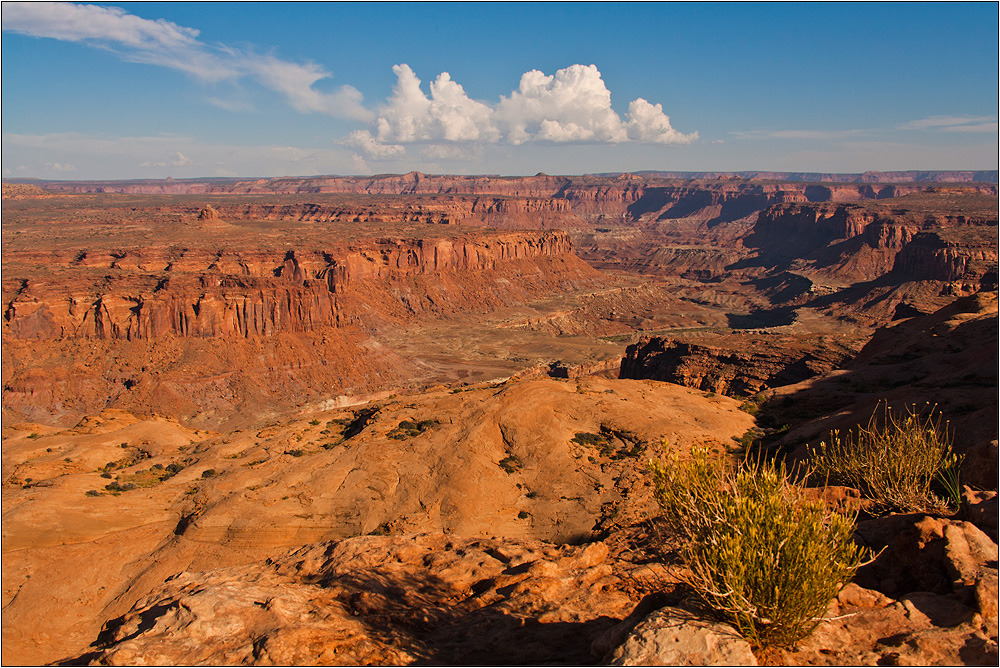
207	294
212	335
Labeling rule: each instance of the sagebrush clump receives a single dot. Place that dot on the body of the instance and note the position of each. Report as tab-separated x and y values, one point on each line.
894	460
761	556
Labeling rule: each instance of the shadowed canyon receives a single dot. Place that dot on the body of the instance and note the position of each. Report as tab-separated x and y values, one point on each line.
407	418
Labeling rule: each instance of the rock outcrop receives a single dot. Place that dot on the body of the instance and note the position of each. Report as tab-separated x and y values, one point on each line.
743	368
22	190
378	600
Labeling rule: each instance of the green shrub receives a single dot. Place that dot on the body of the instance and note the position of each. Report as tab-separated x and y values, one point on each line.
586	438
116	486
761	556
510	463
411	429
751	407
172	469
605	442
894	460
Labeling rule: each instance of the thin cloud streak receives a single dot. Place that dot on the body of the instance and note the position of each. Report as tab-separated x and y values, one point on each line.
953	124
166	44
799	134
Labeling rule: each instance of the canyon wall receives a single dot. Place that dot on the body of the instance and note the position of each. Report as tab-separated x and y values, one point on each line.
849	243
223	337
207	293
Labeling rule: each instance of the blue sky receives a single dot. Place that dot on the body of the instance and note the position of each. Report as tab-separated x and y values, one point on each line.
149	90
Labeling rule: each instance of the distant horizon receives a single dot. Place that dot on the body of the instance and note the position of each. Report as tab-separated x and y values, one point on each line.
780	175
202	89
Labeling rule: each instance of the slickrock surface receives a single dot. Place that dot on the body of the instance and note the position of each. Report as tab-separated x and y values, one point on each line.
494	462
449	600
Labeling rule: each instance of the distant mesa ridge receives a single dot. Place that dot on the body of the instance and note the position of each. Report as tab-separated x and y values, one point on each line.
912	176
540	185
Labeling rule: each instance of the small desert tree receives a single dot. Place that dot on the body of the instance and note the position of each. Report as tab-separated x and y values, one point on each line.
761	555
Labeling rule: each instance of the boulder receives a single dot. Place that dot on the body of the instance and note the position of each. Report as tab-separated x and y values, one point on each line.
676	637
980	508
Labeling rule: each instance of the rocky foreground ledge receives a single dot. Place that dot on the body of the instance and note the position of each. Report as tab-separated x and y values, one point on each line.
434	598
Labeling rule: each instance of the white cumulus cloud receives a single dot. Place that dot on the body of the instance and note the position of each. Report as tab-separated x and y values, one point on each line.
364	141
448	114
573	105
163	43
648	123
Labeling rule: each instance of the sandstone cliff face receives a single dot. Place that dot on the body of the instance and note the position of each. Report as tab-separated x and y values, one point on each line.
463	209
970	259
208	294
860	244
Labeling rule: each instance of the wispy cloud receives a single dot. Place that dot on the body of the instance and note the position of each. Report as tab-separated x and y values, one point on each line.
166	44
176	159
799	134
953	124
54	155
571	106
